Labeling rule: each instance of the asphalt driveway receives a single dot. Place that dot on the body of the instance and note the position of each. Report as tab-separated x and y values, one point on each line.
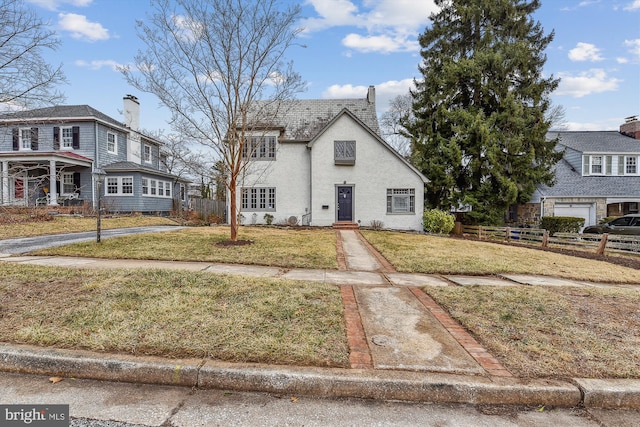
28	244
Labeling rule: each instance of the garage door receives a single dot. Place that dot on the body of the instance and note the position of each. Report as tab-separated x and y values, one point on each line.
578	210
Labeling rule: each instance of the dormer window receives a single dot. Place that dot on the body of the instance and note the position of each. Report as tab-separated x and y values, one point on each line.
146	153
345	152
631	165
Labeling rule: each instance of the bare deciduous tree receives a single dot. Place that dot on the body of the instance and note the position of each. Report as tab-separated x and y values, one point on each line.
208	62
400	110
26	80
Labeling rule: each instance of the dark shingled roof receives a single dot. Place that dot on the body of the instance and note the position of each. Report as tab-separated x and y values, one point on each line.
60	112
597	142
303	119
571	183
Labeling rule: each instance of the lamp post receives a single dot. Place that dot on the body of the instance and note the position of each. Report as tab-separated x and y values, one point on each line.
99	175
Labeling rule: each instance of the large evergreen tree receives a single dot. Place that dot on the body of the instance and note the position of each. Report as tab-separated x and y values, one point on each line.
478	130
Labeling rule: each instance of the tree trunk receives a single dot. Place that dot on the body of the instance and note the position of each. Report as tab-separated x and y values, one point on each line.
233	211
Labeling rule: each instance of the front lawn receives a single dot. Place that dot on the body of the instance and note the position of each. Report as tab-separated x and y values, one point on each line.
174	314
445	255
267	246
15	226
552	331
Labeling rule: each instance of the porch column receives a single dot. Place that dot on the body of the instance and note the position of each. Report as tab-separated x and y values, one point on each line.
53	184
5	183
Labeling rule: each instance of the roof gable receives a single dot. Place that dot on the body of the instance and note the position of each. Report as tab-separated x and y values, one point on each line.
376	136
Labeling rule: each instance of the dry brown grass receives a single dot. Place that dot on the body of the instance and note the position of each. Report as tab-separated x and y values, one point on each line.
552	331
174	314
445	255
289	248
70	224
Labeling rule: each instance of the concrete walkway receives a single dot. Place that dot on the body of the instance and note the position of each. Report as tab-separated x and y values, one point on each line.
403	345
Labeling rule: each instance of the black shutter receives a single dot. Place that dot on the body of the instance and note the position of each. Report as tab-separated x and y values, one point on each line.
16	139
34	139
56	138
76	137
76	182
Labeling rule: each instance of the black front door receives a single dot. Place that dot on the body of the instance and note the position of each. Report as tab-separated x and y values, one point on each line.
345	205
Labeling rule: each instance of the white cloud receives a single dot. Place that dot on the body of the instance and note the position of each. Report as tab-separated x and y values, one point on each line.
387	25
98	64
635	5
54	4
586	83
80	28
621	60
599	125
585	52
385	92
634	47
381	43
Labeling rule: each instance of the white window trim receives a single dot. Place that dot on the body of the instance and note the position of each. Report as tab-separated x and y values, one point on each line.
626	159
144	153
62	140
64	176
20	139
120	186
153	186
115	143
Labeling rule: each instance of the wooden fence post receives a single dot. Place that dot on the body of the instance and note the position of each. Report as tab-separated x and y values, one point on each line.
458	228
479	232
545	238
603	244
507	234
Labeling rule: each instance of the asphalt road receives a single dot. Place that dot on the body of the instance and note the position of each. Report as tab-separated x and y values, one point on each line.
28	244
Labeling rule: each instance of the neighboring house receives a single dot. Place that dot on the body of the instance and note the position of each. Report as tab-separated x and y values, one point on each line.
321	162
48	157
599	176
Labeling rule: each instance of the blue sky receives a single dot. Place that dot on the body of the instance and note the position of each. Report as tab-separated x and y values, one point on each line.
351	44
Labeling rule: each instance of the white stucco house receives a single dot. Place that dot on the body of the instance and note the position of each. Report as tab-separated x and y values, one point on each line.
323	163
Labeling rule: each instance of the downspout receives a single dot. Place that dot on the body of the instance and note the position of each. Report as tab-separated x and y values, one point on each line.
96	163
310	186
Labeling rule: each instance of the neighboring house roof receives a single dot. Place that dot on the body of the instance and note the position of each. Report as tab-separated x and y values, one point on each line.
135	167
63	112
303	119
571	183
597	142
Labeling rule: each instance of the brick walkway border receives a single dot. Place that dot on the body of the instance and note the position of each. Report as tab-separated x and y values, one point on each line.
359	355
386	266
477	351
341	257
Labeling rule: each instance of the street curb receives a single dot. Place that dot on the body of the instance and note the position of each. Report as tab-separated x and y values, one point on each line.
294	380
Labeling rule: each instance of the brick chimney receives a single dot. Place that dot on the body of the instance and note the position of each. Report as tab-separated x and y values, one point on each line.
631	127
371	95
132	112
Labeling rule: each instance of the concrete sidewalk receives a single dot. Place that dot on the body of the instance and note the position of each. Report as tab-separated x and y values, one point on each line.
403	345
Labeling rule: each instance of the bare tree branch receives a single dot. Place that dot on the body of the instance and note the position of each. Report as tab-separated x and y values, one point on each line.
26	80
208	62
